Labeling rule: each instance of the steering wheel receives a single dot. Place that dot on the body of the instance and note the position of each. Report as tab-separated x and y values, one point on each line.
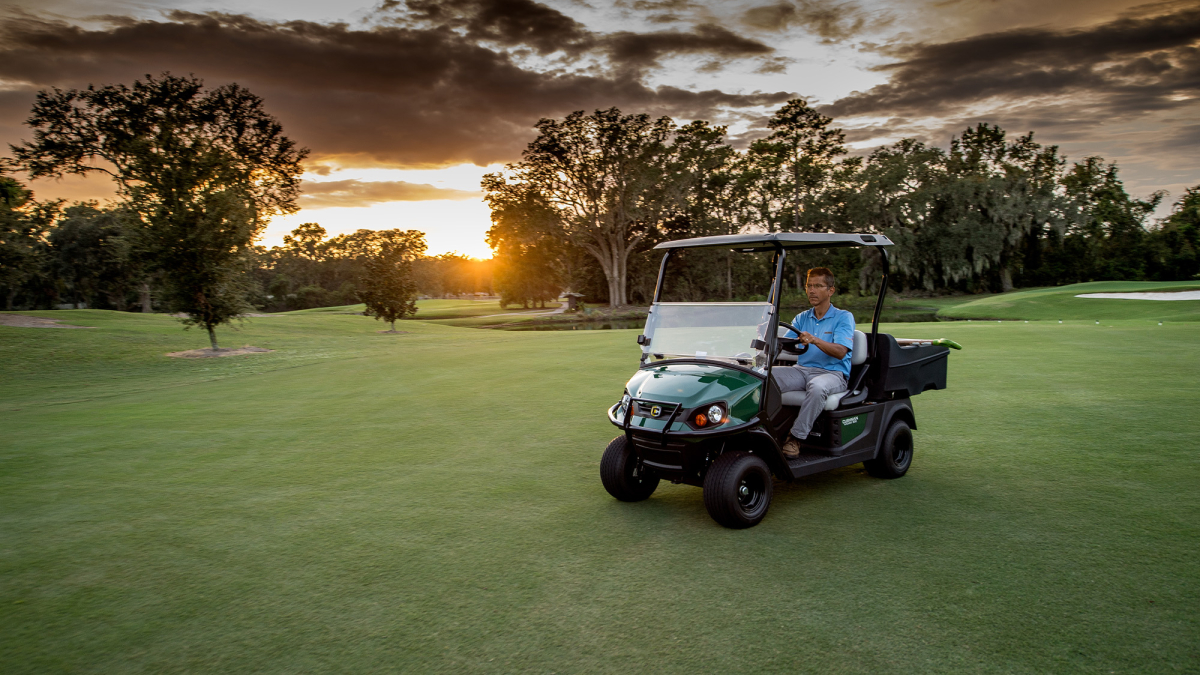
790	345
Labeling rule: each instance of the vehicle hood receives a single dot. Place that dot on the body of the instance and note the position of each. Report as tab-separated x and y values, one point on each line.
692	385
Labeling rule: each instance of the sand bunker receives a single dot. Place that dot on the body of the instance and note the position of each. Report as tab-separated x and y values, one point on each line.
1176	295
21	321
212	354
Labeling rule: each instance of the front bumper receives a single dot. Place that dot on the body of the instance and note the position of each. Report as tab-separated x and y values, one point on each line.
681	429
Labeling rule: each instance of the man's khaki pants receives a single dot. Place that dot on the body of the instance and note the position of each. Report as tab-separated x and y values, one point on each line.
818	382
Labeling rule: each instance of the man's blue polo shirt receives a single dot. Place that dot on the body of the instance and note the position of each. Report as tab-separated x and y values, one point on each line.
837	326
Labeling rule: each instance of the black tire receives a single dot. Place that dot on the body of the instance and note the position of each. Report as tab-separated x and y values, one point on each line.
895	453
737	490
622	475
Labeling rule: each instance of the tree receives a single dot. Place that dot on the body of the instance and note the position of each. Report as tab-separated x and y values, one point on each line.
527	237
387	286
1109	220
1005	191
707	192
604	175
1177	239
24	251
965	217
795	160
91	255
203	170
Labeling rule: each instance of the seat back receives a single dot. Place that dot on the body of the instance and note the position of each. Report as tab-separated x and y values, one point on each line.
858	355
854	393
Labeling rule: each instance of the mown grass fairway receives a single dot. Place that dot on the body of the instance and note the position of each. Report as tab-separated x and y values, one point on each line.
1059	303
359	502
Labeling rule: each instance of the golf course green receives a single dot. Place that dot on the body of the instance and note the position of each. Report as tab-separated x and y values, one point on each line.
1060	303
430	501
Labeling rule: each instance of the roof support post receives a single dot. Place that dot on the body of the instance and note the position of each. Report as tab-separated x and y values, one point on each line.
773	330
662	273
879	303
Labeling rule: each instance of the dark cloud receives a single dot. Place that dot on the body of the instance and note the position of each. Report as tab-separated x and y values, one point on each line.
663	11
392	95
506	22
1119	68
774	64
659	5
645	50
832	21
327	194
1124	89
546	30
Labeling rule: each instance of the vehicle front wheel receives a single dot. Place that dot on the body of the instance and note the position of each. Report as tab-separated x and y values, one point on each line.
895	454
737	490
622	474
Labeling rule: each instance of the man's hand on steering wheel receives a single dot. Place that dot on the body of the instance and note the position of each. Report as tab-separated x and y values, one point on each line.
795	345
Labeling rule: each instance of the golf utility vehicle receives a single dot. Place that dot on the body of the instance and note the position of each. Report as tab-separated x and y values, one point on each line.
702	408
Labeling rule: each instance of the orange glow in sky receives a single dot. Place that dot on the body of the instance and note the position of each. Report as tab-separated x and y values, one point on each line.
457	225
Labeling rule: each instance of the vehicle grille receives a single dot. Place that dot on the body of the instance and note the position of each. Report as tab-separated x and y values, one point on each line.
653	451
645	409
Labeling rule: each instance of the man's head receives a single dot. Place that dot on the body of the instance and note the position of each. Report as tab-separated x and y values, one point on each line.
820	286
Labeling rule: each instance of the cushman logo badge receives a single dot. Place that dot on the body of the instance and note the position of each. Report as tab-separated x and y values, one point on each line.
655	411
849	420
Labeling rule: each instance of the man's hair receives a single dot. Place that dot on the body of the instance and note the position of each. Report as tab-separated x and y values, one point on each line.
822	272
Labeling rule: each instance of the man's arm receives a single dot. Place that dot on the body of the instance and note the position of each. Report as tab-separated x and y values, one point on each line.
831	348
843	337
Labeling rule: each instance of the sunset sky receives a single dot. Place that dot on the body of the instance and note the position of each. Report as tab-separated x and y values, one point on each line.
405	105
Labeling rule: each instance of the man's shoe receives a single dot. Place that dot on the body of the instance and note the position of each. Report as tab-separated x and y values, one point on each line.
791	449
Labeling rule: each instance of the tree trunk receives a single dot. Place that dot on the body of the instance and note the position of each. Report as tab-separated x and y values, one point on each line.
212	337
611	255
614	291
144	298
1006	283
393	326
620	263
796	210
8	299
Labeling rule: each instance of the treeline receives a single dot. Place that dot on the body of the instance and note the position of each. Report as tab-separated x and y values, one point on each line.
84	255
311	270
199	172
594	193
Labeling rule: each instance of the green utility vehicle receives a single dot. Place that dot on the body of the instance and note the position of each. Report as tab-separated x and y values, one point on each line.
702	408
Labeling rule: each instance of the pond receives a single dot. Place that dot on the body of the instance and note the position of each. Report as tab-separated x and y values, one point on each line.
625	324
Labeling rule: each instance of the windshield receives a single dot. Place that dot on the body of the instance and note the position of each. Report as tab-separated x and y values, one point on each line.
720	330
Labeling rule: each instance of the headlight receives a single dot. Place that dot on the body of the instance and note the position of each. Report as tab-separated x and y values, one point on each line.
623	408
707	416
715	414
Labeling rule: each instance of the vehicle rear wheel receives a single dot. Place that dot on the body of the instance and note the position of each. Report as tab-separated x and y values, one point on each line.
623	475
895	453
737	490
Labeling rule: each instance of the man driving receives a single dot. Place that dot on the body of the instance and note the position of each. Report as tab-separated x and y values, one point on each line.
825	366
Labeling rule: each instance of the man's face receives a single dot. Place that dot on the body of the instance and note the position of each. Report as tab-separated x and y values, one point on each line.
818	289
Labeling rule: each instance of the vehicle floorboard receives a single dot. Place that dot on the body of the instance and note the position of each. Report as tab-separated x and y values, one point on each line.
810	462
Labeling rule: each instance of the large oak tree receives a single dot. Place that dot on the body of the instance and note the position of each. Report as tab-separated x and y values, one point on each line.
202	169
604	175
